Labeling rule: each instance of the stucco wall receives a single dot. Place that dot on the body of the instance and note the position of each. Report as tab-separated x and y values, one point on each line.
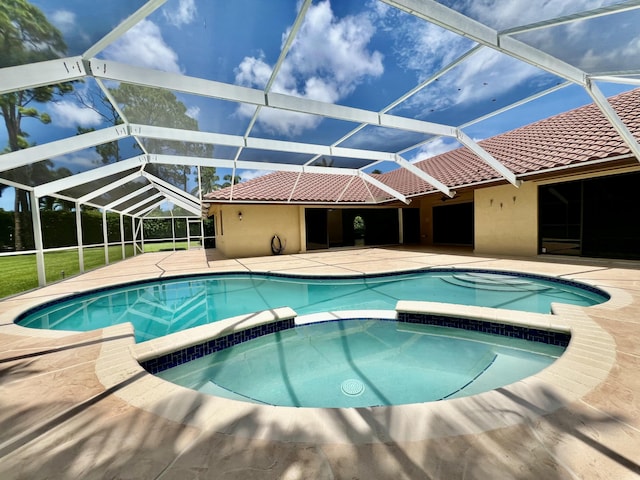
506	220
252	235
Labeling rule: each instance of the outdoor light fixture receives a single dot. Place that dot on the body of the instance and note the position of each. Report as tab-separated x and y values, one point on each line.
240	216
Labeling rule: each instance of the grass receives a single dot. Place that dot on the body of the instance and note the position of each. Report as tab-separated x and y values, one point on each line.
19	272
163	246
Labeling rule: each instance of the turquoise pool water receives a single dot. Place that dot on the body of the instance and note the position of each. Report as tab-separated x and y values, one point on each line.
361	363
161	307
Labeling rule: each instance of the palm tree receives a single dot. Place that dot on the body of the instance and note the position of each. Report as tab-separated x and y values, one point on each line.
208	181
227	178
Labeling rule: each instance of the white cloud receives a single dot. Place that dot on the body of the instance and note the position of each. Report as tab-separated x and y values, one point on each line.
144	46
502	15
80	161
64	20
595	45
486	75
193	112
246	175
184	13
431	149
68	114
326	62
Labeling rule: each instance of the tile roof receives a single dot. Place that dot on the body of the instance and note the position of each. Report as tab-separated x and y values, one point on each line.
571	138
303	187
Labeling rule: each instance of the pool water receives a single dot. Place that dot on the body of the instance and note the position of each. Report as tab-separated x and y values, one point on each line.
361	363
161	307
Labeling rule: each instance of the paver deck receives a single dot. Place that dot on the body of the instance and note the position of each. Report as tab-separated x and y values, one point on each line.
76	405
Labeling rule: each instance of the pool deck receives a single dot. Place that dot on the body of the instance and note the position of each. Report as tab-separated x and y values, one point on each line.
77	405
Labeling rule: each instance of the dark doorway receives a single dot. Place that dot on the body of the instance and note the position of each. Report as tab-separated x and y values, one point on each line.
315	220
336	228
411	225
594	217
453	224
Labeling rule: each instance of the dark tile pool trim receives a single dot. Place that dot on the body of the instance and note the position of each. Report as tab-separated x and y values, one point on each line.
532	334
193	352
173	359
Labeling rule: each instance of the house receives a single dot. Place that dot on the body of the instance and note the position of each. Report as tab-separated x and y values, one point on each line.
576	197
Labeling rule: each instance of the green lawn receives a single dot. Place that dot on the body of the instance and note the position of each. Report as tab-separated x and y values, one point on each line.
163	246
18	273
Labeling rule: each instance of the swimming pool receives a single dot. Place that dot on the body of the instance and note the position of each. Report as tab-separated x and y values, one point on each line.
161	307
363	363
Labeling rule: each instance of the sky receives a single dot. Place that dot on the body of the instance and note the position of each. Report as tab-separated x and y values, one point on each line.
362	54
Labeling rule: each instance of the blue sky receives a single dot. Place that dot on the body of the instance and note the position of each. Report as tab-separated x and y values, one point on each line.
358	53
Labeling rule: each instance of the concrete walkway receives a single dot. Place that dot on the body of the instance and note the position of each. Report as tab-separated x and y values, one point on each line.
59	418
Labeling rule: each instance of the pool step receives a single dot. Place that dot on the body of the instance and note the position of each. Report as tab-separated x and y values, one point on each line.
497	283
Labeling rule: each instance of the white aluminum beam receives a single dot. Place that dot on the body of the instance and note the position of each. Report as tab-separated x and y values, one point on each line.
413	125
32	75
302	12
148	209
246	165
408	95
56	148
115	33
293	31
574	17
37	239
174	81
382	186
158	182
108	188
113	205
89	176
315	107
11	183
456	22
424	176
616	79
261	143
166	133
209	88
433	78
128	210
465	140
176	200
605	107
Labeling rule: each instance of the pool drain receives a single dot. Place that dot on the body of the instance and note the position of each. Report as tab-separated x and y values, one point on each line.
352	387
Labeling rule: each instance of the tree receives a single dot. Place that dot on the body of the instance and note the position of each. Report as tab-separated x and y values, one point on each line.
324	162
26	37
227	178
153	106
109	152
208	180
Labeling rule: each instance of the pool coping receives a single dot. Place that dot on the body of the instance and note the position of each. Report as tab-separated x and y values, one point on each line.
584	365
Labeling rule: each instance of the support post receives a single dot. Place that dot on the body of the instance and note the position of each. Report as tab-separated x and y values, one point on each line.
400	227
79	237
122	245
37	236
173	231
105	236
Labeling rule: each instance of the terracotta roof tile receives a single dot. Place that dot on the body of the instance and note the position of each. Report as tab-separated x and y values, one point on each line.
570	138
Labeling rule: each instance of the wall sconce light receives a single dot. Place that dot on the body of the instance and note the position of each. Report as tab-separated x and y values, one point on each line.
240	216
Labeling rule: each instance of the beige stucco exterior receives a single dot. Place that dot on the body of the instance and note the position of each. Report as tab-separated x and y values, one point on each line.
251	235
506	220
